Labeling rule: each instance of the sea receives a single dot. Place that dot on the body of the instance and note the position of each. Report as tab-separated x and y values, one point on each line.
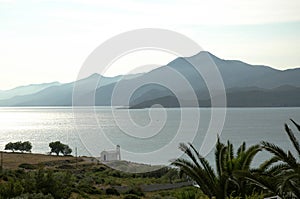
150	136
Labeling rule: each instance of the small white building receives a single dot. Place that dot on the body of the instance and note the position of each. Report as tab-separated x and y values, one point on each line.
110	155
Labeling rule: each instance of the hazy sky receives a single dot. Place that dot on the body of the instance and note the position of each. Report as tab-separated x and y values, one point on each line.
44	41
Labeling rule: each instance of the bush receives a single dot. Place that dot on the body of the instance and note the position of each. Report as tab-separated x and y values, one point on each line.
11	189
86	185
66	166
131	196
36	184
136	191
156	196
112	191
57	184
89	189
34	196
28	166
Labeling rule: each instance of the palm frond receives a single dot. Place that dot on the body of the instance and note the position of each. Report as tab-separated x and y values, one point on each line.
277	169
230	150
262	181
292	138
241	149
229	157
287	180
277	151
184	148
296	124
189	168
205	164
295	189
220	157
265	165
249	156
196	174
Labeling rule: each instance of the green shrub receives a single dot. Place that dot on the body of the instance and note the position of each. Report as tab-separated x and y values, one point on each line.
11	189
156	196
88	189
188	194
101	168
66	166
135	191
57	184
112	191
253	196
34	196
131	196
28	166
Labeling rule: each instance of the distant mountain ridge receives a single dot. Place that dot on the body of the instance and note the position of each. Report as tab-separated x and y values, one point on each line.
285	96
25	90
246	86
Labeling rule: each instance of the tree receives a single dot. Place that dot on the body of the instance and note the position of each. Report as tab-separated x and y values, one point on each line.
66	150
18	146
280	174
9	146
58	147
25	146
55	147
225	180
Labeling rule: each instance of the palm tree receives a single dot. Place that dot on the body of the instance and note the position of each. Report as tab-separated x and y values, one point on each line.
224	181
280	174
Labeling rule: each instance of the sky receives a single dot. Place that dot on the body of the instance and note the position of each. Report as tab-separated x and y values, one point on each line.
45	41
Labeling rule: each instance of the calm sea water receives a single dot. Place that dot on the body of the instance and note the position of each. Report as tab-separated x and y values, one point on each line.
94	130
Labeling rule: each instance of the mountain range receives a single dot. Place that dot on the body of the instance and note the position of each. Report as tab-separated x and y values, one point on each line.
26	90
246	86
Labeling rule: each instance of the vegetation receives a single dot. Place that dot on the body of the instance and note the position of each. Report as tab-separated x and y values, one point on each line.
224	181
88	180
233	177
58	147
45	182
19	146
280	174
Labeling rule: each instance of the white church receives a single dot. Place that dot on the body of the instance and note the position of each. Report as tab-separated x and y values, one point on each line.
110	155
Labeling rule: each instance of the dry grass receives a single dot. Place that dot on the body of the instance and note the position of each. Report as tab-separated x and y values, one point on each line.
13	160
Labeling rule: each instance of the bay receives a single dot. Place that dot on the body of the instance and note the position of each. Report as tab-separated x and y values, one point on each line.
143	134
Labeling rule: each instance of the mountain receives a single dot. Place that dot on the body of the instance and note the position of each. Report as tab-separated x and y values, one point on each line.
284	96
62	94
25	90
245	84
236	75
